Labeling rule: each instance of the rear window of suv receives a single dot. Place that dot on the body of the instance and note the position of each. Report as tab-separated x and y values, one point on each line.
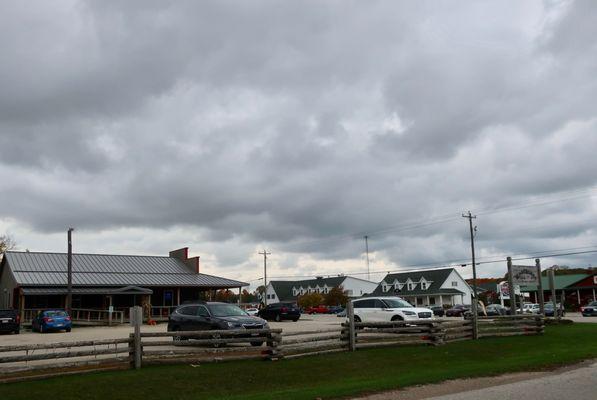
7	313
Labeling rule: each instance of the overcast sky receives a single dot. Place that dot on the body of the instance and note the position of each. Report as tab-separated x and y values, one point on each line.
300	127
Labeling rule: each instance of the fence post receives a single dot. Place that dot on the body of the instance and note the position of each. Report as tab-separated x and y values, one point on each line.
351	328
136	317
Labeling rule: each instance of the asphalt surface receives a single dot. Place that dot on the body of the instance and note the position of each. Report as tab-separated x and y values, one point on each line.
578	384
574	382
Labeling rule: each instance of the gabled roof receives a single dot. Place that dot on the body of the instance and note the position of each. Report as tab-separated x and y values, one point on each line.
50	269
560	282
437	277
284	288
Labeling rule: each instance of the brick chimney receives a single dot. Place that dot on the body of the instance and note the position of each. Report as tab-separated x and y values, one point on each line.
183	255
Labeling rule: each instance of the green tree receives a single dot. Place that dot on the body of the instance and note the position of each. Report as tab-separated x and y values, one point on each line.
336	297
6	243
310	300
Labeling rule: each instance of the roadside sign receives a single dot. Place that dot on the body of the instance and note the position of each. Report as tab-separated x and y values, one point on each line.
111	309
524	275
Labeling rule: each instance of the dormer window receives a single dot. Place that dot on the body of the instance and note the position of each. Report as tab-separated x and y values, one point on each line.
424	285
384	288
294	291
411	286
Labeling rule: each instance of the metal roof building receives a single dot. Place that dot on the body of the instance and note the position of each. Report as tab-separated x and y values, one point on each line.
35	280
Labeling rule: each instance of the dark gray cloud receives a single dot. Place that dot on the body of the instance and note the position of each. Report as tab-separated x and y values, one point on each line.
300	127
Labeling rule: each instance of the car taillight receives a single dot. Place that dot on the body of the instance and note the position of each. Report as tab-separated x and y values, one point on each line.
48	319
284	309
67	318
18	319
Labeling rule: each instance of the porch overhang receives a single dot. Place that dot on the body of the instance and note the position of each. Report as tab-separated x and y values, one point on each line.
33	291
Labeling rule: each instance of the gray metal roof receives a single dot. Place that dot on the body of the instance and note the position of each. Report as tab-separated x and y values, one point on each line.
49	269
86	290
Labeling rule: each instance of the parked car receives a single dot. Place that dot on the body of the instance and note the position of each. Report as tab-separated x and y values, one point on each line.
438	311
374	309
335	309
205	316
280	311
51	320
252	311
457	310
531	308
10	321
320	309
590	310
341	313
549	310
494	310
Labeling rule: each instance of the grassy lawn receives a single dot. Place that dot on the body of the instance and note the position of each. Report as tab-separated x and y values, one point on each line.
325	376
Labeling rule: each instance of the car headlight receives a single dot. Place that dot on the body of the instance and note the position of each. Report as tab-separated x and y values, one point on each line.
233	325
409	313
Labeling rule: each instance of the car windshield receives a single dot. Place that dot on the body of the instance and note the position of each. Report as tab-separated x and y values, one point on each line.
593	304
225	310
55	314
397	303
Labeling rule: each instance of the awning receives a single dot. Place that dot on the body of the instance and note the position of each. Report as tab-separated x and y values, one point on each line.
32	291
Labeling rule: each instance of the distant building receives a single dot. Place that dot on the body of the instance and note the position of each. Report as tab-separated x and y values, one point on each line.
278	291
575	289
427	287
30	281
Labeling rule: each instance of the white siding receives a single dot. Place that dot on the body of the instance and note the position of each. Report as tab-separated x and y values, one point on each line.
460	285
272	295
358	287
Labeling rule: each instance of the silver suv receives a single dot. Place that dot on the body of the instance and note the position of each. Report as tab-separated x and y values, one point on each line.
385	309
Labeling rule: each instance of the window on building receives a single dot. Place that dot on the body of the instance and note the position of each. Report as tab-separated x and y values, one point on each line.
411	286
431	301
424	285
454	283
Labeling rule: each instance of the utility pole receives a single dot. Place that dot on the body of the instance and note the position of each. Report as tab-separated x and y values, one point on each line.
367	251
265	254
69	273
470	218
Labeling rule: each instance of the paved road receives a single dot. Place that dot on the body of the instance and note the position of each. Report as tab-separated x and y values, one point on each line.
578	384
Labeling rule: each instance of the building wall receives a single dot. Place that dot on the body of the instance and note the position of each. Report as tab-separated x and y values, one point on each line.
358	287
272	296
7	286
460	284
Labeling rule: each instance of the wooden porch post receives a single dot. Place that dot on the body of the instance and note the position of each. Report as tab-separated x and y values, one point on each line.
177	296
22	305
239	294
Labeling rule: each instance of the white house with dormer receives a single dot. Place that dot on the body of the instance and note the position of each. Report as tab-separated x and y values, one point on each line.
427	287
278	291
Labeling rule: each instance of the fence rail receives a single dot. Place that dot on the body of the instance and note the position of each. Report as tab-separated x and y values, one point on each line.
149	348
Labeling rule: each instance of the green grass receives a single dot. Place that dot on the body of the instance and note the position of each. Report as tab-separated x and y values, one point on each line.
326	376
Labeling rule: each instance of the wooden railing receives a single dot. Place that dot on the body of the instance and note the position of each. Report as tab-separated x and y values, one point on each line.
56	358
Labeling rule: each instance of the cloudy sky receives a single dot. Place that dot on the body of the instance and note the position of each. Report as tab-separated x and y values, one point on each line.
300	127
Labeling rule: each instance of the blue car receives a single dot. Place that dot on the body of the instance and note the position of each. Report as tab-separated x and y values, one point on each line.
51	320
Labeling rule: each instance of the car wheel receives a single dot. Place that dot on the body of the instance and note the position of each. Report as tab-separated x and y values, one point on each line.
176	338
357	319
397	318
256	344
278	319
17	331
68	329
294	320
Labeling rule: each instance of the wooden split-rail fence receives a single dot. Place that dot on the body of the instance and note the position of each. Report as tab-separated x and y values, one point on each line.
29	361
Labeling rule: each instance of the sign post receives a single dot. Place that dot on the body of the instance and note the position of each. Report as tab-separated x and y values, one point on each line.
540	288
523	275
511	288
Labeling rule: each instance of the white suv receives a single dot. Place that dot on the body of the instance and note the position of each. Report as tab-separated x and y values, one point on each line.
384	309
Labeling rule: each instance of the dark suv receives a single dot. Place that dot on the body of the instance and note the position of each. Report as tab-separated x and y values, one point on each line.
280	311
10	321
205	316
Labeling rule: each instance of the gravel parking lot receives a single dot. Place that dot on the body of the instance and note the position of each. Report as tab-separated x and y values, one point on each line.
306	323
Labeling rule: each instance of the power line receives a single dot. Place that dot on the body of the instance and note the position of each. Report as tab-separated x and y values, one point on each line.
450	264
